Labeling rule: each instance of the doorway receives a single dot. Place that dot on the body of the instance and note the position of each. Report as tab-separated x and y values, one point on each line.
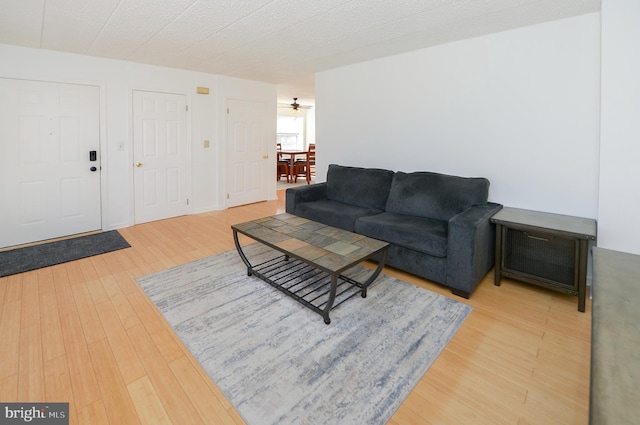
160	152
247	157
49	160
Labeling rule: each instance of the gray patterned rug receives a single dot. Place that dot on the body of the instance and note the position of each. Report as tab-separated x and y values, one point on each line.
278	363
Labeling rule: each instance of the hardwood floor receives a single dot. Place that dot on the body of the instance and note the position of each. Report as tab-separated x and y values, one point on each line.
83	332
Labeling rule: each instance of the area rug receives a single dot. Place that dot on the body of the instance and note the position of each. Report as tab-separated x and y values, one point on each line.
278	363
48	254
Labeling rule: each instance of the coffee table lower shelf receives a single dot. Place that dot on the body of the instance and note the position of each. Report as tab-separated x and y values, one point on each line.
309	286
313	263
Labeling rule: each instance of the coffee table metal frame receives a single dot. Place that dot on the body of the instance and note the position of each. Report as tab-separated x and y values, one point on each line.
306	281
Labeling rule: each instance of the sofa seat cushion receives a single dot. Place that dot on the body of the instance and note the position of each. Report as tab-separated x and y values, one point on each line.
333	213
363	187
420	234
433	195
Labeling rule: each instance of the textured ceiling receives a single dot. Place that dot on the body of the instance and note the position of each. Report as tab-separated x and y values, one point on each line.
276	41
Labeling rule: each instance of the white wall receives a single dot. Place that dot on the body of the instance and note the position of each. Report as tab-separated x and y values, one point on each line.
519	107
117	80
619	204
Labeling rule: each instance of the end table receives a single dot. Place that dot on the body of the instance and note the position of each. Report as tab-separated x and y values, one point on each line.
544	249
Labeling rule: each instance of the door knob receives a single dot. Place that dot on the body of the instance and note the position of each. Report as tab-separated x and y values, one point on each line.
93	168
138	164
265	156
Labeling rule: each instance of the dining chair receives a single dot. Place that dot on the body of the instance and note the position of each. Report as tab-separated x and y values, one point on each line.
282	168
312	160
307	166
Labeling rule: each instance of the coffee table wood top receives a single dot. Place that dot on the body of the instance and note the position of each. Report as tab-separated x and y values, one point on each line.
328	248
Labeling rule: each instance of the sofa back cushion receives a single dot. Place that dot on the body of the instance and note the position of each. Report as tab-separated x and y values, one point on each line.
433	195
363	187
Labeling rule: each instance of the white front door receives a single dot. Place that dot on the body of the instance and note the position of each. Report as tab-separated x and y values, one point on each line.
160	155
246	153
50	186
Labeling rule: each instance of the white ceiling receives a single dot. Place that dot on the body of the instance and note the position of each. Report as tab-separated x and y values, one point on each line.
276	41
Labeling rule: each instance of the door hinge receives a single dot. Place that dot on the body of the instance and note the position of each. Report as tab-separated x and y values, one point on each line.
227	111
187	201
227	196
186	107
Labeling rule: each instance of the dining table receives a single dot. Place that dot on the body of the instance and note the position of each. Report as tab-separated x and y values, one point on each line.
292	159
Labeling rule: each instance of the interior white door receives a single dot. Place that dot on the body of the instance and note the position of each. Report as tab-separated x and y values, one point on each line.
247	159
160	155
49	187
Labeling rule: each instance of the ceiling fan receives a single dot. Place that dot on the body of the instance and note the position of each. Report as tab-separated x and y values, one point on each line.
295	106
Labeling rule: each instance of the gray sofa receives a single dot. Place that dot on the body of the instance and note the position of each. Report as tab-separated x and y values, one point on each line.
438	225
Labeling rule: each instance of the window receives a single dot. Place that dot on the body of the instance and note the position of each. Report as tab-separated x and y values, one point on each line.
288	141
291	130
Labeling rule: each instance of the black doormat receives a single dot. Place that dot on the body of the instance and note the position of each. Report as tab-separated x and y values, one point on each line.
35	257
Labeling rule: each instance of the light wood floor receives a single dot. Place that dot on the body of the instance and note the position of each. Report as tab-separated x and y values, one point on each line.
83	332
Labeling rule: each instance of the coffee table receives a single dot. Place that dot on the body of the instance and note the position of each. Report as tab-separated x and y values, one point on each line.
314	262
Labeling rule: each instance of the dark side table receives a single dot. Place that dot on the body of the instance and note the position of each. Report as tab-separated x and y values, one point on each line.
544	249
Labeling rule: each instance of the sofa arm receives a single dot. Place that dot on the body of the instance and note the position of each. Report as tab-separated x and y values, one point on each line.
470	247
308	193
